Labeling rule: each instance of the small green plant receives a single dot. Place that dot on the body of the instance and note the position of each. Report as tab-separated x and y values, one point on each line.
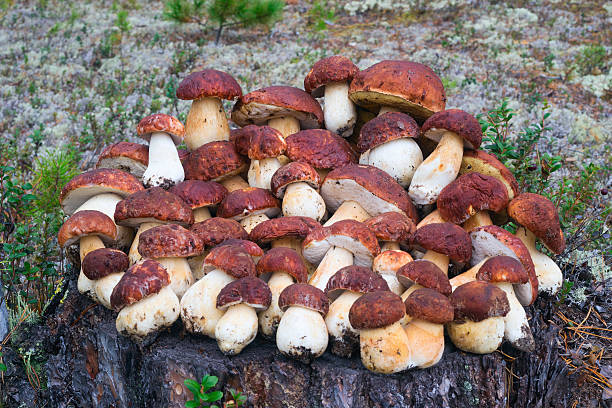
202	396
592	59
238	399
184	11
321	14
564	292
549	62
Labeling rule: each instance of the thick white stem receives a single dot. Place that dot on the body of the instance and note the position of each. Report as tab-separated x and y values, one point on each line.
270	318
287	125
438	170
439	259
517	330
261	172
252	221
234	183
302	200
84	284
426	340
236	329
433	217
104	288
335	259
386	109
349	210
550	277
180	274
477	337
206	122
165	168
480	219
201	214
399	158
302	334
344	337
134	255
385	350
339	111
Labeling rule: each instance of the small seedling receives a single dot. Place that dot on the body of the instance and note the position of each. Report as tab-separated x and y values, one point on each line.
238	399
201	396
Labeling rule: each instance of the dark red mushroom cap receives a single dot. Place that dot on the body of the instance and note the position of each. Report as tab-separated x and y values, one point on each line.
478	300
208	83
244	202
426	274
294	172
429	305
355	279
142	279
249	290
160	122
385	128
121	155
283	260
392	227
197	193
445	238
336	68
502	268
320	148
169	241
276	228
231	259
266	142
104	261
376	309
486	163
456	121
214	161
153	205
86	223
250	247
214	231
304	295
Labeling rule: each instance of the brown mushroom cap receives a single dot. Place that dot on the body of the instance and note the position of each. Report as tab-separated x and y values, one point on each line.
198	193
284	260
250	247
266	142
355	279
104	261
376	191
130	152
478	300
354	236
445	238
214	231
407	86
169	241
244	202
94	182
426	274
429	305
539	215
160	122
304	295
487	164
259	106
491	240
456	121
320	148
294	172
249	290
470	193
153	205
276	228
502	268
388	262
214	161
231	259
392	227
142	279
86	223
336	68
208	83
376	309
241	138
385	128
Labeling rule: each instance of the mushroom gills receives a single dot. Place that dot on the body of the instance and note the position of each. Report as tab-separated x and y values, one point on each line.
339	111
302	334
302	200
236	329
165	168
149	314
206	122
335	258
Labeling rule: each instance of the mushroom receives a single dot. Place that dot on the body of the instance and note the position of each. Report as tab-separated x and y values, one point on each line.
330	77
297	184
91	229
343	289
284	267
505	272
452	129
144	299
392	228
213	232
267	144
163	132
105	267
198	305
241	300
444	242
343	243
387	142
206	121
433	217
359	192
129	157
399	86
491	240
217	161
383	343
200	196
170	245
249	206
151	208
302	333
430	311
479	309
285	108
387	263
539	219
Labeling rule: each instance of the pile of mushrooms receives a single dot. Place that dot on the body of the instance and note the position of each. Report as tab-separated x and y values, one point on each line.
312	228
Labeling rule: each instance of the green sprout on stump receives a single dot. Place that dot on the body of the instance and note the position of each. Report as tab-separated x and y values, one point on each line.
201	396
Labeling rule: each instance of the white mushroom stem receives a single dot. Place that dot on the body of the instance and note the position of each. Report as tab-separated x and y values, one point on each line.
206	122
390	246
437	258
302	200
261	172
399	158
386	109
517	330
302	333
477	337
287	125
426	340
288	242
467	276
106	203
407	318
201	214
234	183
339	111
252	221
270	318
86	245
180	274
149	315
550	277
165	168
438	170
199	304
349	210
387	263
480	219
433	217
104	288
134	255
335	259
236	329
385	350
338	324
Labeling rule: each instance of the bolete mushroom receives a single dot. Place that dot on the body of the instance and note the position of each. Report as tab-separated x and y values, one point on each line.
217	161
129	157
267	144
200	196
249	206
444	242
297	184
387	263
105	267
392	229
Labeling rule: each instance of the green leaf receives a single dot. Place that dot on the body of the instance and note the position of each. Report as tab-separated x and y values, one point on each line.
192	404
192	386
209	381
212	396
